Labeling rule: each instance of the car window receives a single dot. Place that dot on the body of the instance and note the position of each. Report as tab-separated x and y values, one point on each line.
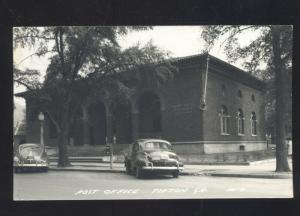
135	147
155	145
30	151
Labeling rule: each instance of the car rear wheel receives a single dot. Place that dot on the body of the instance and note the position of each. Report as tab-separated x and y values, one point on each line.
175	174
138	172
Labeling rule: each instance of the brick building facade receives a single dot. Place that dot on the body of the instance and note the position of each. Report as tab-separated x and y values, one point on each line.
232	122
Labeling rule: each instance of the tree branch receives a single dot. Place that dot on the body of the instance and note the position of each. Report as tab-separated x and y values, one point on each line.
60	53
24	84
36	53
231	36
31	36
53	121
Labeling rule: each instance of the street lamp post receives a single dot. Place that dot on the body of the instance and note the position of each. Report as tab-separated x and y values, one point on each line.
41	118
111	151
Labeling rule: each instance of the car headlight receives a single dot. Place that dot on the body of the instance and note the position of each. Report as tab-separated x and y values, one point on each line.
37	158
16	159
174	157
144	156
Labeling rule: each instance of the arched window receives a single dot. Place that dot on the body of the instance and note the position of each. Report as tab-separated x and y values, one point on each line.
223	90
150	114
253	97
240	122
240	95
253	124
224	120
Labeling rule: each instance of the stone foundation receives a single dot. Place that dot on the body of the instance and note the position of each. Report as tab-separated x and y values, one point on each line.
182	148
211	147
188	147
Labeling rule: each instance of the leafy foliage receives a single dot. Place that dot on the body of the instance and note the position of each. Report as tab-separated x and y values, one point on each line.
273	47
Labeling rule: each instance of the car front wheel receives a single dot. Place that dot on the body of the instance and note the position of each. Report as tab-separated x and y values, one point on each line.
175	174
127	169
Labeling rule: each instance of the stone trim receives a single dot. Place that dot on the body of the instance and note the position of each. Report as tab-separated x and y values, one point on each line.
216	142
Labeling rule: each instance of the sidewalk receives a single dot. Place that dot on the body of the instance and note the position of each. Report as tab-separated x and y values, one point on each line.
258	169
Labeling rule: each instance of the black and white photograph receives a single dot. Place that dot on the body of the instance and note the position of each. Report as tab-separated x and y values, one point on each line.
152	112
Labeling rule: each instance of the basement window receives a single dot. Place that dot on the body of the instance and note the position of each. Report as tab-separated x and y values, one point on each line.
242	147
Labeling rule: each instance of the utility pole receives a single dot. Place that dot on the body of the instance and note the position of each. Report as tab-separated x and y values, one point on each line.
41	118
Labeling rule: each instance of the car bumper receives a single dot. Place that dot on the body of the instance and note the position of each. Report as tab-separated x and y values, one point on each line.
31	165
152	168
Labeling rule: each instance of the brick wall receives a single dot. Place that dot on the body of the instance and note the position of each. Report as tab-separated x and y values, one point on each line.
182	121
182	117
215	99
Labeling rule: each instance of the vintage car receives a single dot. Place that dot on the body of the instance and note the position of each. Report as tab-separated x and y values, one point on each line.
152	156
30	156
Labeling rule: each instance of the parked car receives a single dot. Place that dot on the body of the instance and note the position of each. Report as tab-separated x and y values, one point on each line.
30	156
152	156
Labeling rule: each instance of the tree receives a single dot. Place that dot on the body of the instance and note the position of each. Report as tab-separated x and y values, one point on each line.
83	61
273	46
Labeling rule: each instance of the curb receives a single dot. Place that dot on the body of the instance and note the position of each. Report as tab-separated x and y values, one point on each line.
262	161
219	163
87	170
113	171
98	160
196	173
257	175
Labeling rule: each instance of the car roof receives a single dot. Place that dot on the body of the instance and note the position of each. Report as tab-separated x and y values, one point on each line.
153	140
30	144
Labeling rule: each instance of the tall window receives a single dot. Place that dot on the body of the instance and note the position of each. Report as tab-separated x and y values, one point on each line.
223	90
240	122
150	113
224	120
240	95
253	124
253	97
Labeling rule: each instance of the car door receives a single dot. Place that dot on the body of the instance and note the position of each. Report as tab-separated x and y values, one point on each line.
135	149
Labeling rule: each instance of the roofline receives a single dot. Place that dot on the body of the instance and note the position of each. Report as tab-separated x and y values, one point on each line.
239	70
190	57
21	94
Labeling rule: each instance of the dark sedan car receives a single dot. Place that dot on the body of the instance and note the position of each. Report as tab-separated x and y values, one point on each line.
30	156
152	156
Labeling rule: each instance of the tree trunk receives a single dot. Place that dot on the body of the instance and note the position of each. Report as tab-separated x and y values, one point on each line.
280	107
63	138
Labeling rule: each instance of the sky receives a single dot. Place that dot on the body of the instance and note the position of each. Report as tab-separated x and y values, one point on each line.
178	40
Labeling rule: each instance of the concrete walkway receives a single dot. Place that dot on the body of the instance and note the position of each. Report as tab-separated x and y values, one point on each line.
258	169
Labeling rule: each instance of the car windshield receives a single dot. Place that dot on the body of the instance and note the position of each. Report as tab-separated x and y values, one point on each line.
156	145
30	151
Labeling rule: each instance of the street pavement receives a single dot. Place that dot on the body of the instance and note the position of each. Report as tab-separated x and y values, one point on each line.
258	169
97	181
78	185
